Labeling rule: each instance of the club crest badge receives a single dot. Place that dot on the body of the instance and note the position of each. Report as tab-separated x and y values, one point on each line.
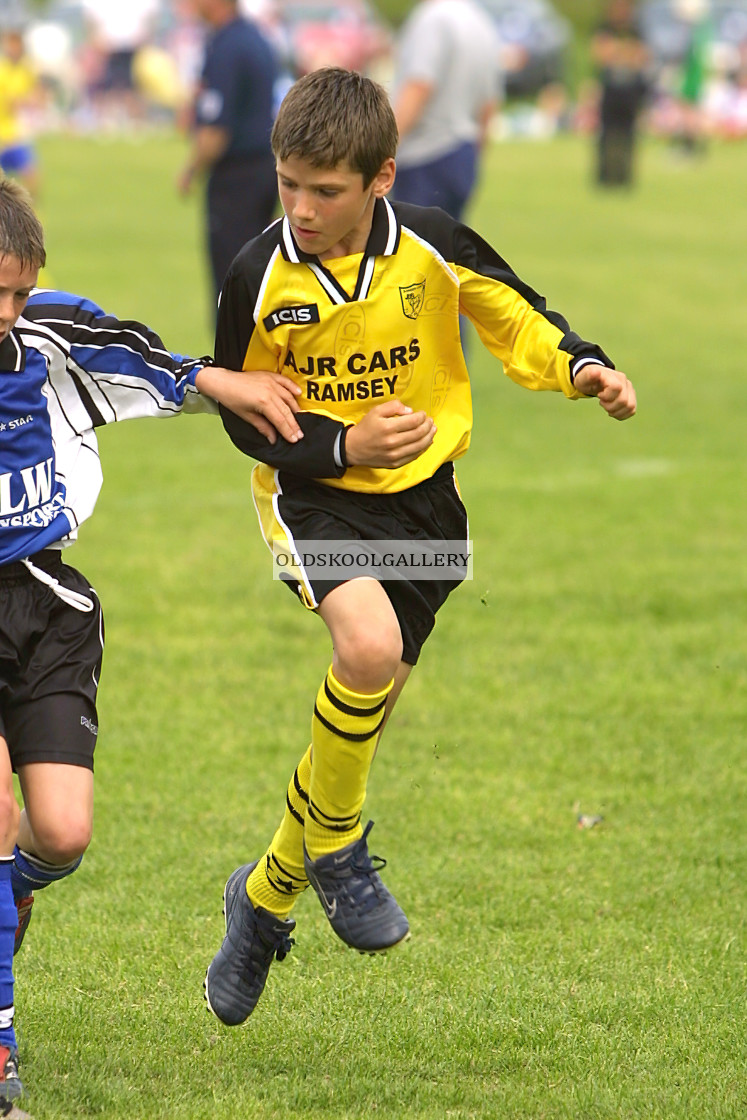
412	298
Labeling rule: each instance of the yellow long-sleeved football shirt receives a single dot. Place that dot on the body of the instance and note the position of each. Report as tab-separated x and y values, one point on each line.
17	83
355	331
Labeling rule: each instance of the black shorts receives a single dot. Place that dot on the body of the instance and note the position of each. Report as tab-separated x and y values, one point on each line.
118	73
50	663
432	510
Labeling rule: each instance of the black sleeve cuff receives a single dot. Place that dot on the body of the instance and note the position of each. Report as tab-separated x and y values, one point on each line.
314	456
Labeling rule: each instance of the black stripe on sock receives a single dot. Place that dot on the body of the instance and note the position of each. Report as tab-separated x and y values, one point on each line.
348	709
334	824
302	793
293	811
285	872
351	736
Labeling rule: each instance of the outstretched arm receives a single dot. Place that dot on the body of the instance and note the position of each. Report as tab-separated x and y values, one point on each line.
611	387
265	400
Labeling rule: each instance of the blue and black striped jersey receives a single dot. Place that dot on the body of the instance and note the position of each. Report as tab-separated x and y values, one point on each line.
356	331
66	369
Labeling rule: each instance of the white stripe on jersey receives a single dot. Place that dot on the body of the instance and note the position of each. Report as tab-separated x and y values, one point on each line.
115	339
434	253
49	459
265	281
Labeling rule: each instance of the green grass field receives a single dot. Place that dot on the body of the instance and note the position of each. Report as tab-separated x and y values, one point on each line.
596	664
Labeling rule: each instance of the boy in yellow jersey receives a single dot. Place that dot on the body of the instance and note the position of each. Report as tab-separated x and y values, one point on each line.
358	301
19	90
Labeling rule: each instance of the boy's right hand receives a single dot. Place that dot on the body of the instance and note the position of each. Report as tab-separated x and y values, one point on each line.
264	399
389	436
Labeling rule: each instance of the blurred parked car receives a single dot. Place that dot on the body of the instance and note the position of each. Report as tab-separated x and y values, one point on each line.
347	33
668	31
535	41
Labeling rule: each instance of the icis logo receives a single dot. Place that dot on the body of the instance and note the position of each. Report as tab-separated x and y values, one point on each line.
298	315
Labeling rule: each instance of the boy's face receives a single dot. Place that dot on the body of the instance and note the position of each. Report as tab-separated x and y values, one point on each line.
12	45
16	282
329	209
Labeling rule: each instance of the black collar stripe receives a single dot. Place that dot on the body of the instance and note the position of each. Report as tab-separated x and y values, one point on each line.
393	238
334	290
20	352
12	353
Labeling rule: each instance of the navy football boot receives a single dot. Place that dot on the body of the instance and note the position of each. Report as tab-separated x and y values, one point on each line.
361	911
254	939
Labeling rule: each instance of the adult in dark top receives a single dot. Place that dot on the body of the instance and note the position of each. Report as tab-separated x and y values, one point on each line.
232	120
622	60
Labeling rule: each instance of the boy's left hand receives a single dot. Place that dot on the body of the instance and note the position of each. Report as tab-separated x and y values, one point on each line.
265	400
611	387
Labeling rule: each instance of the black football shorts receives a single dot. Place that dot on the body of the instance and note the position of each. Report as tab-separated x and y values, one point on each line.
50	663
431	510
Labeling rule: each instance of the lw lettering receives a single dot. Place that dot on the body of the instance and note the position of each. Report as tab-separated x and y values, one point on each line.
25	489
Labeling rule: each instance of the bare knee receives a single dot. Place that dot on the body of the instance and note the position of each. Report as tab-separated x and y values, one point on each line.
366	659
62	841
366	635
57	821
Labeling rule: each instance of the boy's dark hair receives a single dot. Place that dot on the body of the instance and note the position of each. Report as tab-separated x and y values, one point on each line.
21	232
333	115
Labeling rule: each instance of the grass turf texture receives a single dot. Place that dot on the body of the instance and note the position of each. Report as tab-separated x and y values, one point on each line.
596	664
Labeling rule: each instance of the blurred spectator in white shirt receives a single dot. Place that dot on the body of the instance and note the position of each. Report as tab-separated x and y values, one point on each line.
119	28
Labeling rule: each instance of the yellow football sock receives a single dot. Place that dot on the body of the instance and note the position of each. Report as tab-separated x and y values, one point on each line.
344	733
279	877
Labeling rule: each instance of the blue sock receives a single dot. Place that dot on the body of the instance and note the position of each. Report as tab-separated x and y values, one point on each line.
8	923
30	873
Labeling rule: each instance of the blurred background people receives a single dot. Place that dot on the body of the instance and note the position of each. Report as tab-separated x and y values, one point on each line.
20	94
728	105
621	59
232	121
690	136
118	29
447	86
